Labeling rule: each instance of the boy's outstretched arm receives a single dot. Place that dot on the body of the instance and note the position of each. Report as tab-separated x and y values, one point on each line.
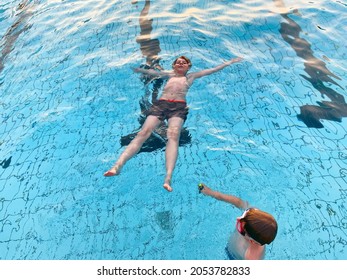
234	200
210	71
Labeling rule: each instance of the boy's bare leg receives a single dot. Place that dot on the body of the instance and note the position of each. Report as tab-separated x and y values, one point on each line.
173	136
135	145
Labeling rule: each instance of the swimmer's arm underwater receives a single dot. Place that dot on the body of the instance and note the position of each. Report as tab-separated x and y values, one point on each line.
154	73
234	200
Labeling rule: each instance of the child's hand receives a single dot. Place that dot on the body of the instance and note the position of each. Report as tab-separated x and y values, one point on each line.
204	189
201	186
237	59
234	60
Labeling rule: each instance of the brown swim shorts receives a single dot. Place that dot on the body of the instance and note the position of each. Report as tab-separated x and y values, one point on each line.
166	109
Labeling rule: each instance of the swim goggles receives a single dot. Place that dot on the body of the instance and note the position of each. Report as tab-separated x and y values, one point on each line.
239	225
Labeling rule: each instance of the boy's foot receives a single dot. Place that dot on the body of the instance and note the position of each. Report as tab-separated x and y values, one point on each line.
115	170
167	184
167	187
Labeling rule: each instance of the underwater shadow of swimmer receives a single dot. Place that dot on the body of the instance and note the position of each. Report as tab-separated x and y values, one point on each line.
158	138
150	49
16	29
165	220
317	72
156	141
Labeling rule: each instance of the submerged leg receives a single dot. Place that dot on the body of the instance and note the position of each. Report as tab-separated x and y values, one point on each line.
171	153
135	145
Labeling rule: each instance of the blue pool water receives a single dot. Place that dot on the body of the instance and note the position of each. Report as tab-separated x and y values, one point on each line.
271	129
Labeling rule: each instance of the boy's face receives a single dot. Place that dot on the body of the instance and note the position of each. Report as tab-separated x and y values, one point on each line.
181	66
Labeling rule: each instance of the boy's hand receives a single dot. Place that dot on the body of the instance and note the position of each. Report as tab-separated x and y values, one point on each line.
234	60
237	59
204	189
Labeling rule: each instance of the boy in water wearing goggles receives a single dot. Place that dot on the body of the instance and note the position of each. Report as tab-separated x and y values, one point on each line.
254	228
172	107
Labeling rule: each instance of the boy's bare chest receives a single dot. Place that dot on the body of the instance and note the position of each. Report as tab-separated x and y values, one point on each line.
177	83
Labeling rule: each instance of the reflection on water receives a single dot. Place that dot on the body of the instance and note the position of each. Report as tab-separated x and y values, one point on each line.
24	11
62	102
15	30
318	74
149	47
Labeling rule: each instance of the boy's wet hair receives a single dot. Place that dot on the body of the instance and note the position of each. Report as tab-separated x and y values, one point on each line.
260	226
185	58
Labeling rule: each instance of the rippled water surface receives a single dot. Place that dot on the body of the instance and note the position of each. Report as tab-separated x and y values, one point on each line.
271	129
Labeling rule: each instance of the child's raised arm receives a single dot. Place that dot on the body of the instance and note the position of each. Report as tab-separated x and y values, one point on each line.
206	72
234	200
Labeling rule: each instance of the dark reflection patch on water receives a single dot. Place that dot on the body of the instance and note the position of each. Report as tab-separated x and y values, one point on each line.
318	75
23	13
